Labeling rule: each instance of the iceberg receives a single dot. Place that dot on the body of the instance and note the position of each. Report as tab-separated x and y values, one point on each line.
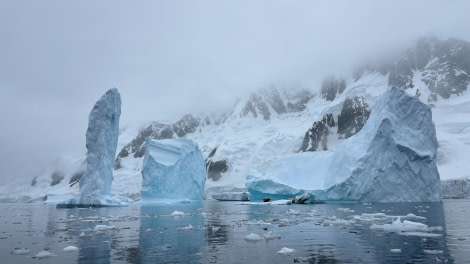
392	159
101	143
173	169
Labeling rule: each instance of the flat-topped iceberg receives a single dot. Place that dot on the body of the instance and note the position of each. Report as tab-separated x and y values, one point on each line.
101	143
173	169
392	159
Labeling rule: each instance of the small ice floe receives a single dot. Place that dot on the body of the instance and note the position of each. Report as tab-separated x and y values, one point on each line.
20	251
149	230
253	238
44	254
346	210
395	250
257	222
268	236
101	228
335	221
286	251
407	228
214	229
82	234
292	212
186	228
435	252
414	217
70	249
280	202
178	213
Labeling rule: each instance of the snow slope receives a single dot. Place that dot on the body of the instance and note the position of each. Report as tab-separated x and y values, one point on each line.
247	142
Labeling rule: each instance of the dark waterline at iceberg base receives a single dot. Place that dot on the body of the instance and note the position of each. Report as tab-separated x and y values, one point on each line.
227	232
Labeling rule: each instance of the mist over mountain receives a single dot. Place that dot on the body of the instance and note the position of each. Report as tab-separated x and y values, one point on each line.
280	120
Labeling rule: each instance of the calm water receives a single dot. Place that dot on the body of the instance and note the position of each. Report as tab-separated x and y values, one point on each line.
219	232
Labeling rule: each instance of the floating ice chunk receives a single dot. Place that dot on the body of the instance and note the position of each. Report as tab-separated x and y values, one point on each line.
186	228
70	248
281	202
20	251
44	254
395	250
292	212
103	227
178	213
286	250
82	234
253	237
270	236
428	251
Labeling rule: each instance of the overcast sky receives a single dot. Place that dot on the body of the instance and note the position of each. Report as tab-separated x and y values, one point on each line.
171	57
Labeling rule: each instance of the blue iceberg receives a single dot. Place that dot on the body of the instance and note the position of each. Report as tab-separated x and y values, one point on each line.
173	169
392	159
101	143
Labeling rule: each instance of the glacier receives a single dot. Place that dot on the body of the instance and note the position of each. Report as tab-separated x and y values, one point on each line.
392	159
101	143
173	169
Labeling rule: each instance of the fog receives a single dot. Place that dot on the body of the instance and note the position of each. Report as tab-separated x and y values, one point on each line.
168	58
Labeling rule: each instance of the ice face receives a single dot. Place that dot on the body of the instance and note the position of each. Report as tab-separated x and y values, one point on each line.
101	142
173	169
392	159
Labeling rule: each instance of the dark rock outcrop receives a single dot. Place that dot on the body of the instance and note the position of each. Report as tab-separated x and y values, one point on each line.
332	86
455	188
215	169
353	117
186	125
318	134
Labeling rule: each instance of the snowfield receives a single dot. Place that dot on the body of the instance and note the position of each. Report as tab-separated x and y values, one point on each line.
251	143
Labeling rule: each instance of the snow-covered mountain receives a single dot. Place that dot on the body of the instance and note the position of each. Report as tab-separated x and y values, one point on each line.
274	122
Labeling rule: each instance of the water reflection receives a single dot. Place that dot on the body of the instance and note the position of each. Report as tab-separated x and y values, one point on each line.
170	239
216	232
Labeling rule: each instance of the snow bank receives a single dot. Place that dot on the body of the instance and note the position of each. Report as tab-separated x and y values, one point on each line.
392	159
173	169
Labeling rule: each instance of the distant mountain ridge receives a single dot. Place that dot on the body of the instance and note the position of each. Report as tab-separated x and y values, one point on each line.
273	122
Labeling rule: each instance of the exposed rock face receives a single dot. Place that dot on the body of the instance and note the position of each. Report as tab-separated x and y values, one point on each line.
269	102
173	169
353	117
186	125
332	86
215	169
318	134
57	177
444	66
101	142
458	188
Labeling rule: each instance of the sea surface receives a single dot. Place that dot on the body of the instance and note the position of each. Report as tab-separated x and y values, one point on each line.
231	232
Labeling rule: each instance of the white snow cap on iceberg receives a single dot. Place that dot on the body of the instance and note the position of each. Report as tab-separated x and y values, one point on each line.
392	159
173	169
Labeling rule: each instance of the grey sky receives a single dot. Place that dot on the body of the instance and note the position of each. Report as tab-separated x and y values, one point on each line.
171	57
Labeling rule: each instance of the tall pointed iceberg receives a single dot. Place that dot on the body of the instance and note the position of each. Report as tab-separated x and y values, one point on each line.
101	143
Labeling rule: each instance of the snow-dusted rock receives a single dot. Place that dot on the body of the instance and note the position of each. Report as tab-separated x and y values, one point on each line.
173	169
392	159
101	142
